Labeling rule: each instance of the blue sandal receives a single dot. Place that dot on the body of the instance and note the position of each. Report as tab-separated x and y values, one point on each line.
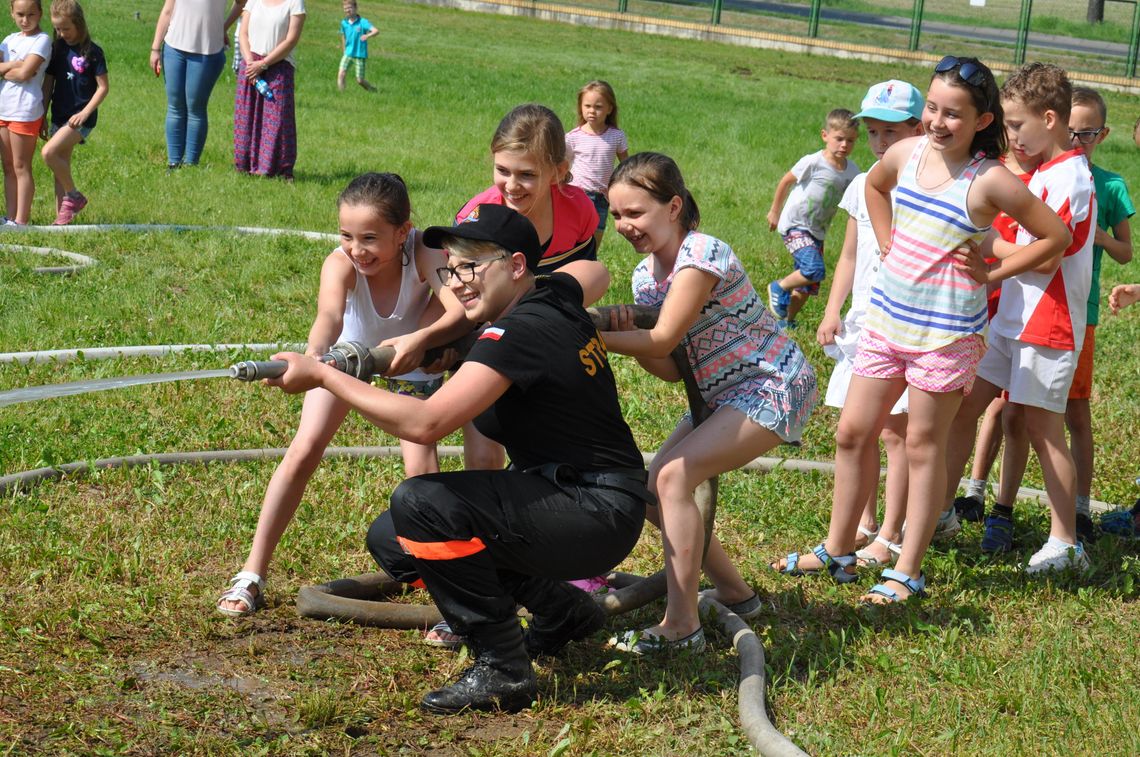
917	587
836	566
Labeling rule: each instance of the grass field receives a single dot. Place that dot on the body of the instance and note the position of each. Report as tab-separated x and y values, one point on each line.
109	643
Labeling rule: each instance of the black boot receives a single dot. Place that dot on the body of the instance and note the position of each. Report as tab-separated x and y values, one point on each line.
570	614
500	679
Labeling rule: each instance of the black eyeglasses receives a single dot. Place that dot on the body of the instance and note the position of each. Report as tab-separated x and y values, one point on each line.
464	271
1086	137
970	72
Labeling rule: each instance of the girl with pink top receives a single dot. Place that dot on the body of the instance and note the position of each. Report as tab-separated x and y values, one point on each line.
592	146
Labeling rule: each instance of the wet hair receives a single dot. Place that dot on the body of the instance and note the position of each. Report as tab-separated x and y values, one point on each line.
604	89
1090	98
386	193
1040	87
535	130
990	141
73	12
840	119
659	175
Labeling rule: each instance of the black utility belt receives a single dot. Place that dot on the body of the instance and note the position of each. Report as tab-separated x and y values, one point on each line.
632	481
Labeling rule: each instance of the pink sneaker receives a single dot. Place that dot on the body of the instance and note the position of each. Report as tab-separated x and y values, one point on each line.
72	203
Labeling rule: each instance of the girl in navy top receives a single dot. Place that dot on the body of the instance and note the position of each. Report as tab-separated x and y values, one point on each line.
76	84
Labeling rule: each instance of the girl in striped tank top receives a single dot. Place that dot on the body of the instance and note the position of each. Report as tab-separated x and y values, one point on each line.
927	316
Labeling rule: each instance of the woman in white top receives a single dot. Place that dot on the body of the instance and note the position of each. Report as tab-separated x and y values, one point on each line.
265	123
189	47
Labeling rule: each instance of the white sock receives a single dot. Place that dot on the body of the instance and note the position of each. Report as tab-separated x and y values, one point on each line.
1054	541
1082	504
976	489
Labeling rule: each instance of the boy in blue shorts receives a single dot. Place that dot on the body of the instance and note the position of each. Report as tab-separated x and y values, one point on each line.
812	189
355	33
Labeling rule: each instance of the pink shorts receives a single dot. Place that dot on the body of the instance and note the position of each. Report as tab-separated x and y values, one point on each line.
946	369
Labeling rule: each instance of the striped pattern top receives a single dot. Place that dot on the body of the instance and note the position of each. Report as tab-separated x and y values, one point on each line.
920	301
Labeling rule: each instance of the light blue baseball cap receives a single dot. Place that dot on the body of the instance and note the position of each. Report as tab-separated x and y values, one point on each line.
892	100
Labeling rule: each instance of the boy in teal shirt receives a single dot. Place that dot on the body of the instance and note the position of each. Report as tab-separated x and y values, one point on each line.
1114	207
355	32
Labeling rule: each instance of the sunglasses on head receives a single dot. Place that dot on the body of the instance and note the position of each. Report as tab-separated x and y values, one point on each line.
970	72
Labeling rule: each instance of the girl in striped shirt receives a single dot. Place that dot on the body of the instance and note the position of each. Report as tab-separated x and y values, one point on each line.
927	316
592	146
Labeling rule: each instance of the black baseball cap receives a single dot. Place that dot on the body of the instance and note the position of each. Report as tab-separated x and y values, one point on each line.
493	223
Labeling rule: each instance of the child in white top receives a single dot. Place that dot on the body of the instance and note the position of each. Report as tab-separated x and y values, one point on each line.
815	183
928	307
892	110
23	61
592	146
381	266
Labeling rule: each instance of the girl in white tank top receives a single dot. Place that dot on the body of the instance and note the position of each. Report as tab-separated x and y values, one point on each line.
381	267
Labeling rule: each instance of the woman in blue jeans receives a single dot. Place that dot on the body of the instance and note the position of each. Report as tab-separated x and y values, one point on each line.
189	47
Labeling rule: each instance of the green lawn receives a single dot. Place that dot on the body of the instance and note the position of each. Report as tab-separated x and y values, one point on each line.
108	639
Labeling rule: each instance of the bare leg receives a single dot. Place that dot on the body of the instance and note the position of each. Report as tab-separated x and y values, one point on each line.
366	85
481	453
1047	434
927	433
865	410
340	80
57	155
796	303
1078	418
23	150
10	190
321	416
962	433
1016	455
989	440
419	458
724	442
893	437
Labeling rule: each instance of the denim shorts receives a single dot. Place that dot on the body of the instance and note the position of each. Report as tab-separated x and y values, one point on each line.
84	131
807	252
602	205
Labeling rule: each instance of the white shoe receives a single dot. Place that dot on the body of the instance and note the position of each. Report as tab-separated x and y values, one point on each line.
948	526
1057	555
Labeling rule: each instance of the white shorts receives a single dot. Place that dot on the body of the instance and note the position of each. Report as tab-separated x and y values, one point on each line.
1033	375
843	353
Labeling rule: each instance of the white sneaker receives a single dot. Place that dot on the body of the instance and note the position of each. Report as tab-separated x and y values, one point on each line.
948	526
1057	555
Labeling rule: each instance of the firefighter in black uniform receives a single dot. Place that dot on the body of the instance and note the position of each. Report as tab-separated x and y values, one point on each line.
572	502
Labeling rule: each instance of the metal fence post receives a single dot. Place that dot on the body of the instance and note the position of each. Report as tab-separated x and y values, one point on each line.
915	25
1133	41
813	19
1022	32
717	6
623	6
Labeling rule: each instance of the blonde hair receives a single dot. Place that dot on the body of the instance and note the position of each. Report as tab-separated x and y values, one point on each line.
73	12
533	129
840	119
604	89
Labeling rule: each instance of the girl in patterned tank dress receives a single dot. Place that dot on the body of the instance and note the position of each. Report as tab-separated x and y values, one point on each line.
927	315
753	376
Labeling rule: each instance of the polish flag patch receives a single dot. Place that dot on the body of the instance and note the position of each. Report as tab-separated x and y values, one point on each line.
492	332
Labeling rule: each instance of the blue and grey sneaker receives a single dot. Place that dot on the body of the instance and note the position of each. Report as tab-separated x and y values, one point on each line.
777	300
998	536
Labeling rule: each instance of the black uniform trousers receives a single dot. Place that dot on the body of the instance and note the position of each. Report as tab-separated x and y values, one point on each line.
483	542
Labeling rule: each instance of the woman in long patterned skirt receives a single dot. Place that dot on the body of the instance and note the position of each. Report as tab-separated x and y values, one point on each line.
265	124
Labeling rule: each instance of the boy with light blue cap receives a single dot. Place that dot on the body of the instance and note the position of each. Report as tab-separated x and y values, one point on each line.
891	111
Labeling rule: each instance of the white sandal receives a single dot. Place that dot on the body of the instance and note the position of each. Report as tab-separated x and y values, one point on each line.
866	559
867	534
239	591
